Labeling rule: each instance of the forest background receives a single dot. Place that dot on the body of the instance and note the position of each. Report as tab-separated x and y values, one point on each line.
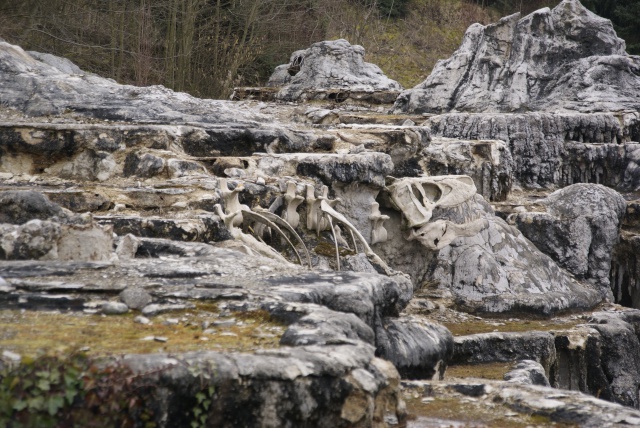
207	47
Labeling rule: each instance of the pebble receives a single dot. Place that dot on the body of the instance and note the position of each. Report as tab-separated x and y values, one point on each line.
209	331
114	308
135	297
224	323
171	321
228	333
160	339
11	356
155	309
142	320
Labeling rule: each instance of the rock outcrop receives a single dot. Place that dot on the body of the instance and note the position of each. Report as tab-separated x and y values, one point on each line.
556	149
579	230
329	70
346	233
565	58
478	259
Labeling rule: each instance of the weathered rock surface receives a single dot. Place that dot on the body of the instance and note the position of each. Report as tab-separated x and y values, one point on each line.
336	345
329	67
527	372
503	347
565	58
579	230
213	202
487	162
479	260
328	386
52	90
556	149
625	270
598	357
418	349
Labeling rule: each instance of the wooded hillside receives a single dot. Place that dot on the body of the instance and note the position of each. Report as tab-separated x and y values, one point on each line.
206	47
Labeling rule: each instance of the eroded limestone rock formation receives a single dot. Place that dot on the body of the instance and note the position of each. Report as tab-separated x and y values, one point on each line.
330	70
565	58
579	230
288	211
485	264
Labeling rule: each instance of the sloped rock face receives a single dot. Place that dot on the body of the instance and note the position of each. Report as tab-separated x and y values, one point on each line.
565	58
38	88
495	269
329	66
579	230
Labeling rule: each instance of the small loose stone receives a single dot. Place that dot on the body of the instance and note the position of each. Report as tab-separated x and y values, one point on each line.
114	308
141	320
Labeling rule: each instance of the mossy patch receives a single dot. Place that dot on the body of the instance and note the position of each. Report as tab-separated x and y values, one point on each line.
494	371
33	333
477	326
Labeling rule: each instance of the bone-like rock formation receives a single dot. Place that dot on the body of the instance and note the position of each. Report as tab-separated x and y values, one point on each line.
579	230
329	67
565	58
482	262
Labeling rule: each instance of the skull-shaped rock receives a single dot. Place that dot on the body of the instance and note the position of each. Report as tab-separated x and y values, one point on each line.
417	197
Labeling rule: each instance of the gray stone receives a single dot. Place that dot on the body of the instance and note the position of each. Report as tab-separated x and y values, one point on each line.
510	400
114	308
505	347
579	230
48	240
555	149
77	93
419	349
482	262
62	64
625	271
181	168
142	320
144	166
18	207
135	297
565	58
156	309
527	372
330	65
127	247
365	168
487	162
